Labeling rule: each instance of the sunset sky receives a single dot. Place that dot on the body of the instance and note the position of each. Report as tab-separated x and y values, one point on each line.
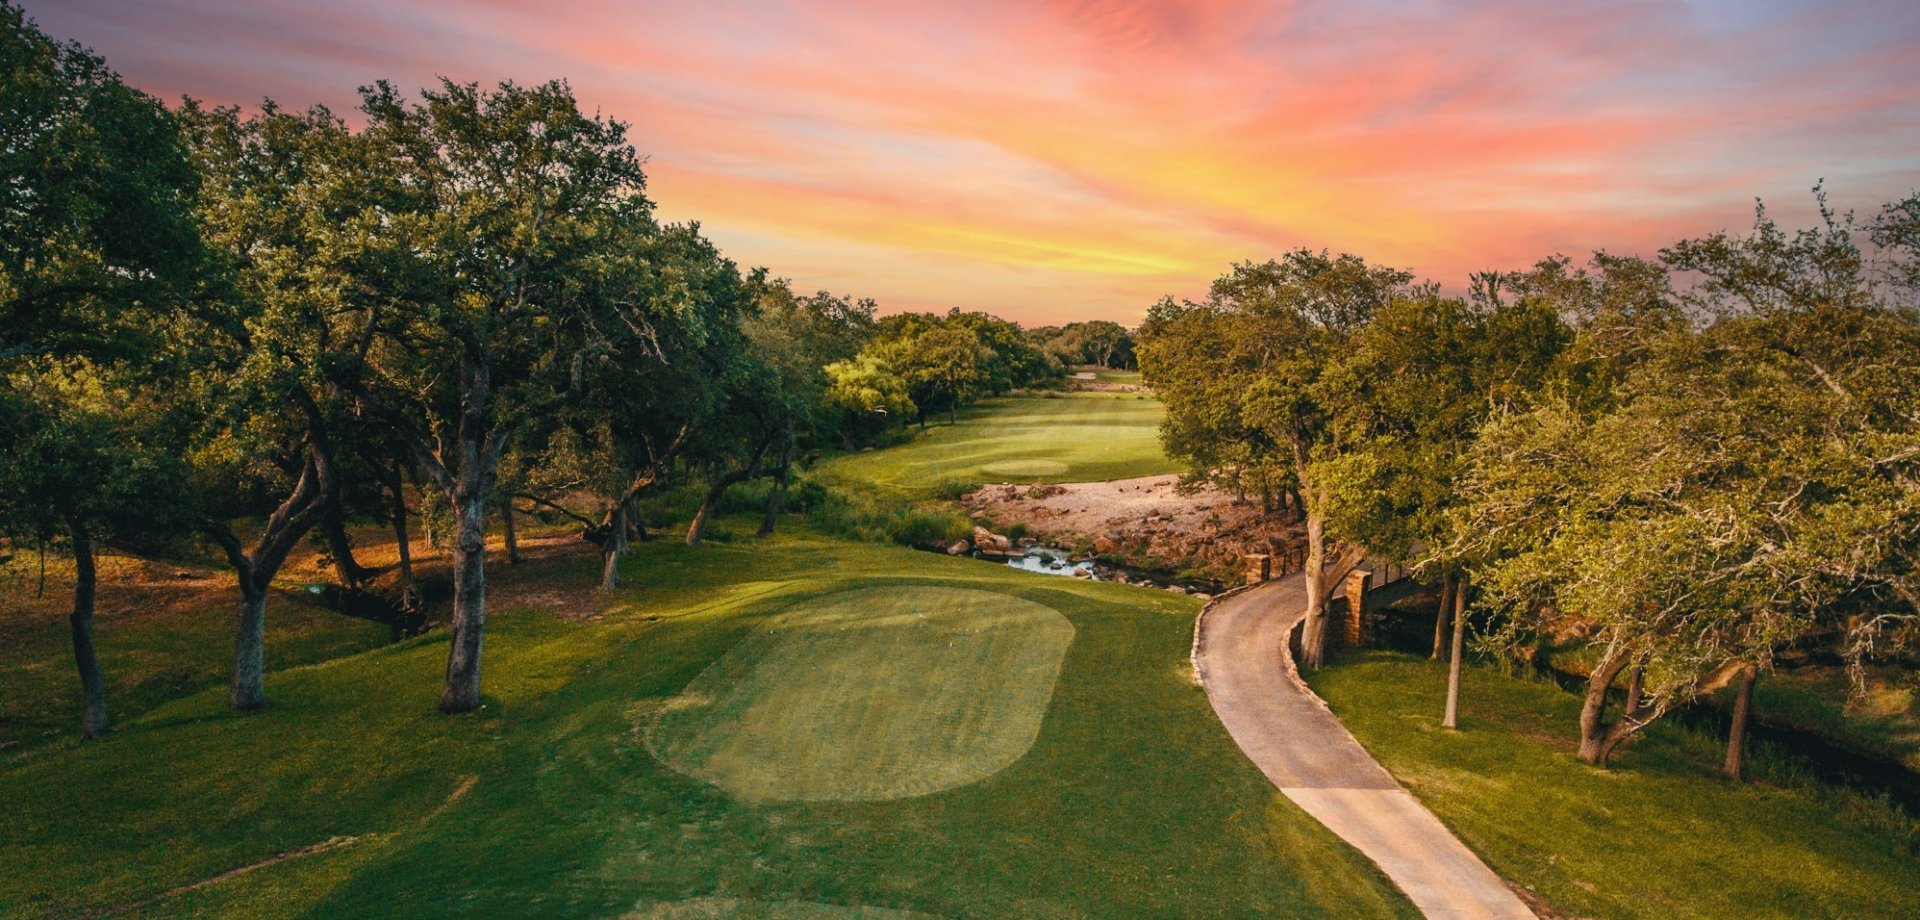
1079	159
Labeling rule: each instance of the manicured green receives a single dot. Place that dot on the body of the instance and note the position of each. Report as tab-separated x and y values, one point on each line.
1659	835
1074	437
1131	802
881	693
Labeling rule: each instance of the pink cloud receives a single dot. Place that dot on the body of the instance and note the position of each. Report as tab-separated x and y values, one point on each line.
1090	155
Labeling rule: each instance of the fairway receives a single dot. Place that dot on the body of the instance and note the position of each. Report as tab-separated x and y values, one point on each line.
883	693
730	909
1071	438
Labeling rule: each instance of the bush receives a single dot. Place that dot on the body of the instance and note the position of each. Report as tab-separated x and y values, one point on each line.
859	517
953	489
925	528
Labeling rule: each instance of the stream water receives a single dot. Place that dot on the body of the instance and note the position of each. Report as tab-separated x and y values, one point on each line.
1048	561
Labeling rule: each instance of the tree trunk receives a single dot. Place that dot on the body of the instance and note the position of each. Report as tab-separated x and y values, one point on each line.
1452	719
1737	733
1441	619
1636	686
698	528
248	688
333	524
462	692
719	488
1597	738
636	526
93	687
611	547
777	494
409	592
513	539
298	513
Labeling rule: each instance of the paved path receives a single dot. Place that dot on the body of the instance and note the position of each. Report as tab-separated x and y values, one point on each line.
1242	659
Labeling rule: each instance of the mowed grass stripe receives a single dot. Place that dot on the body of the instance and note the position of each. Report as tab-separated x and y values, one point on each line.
882	693
1077	438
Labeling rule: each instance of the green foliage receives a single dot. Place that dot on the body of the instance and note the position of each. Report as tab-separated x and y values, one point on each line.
1102	343
869	395
96	243
1238	372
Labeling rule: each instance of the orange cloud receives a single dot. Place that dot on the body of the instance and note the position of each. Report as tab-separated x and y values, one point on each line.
1080	158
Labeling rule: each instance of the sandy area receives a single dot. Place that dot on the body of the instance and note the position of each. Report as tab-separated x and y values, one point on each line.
1142	519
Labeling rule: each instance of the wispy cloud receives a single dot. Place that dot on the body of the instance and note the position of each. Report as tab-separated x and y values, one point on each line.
1082	157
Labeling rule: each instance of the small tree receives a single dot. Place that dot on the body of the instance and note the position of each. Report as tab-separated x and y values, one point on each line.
82	453
511	221
1239	374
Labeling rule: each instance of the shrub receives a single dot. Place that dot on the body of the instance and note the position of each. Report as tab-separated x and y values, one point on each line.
953	489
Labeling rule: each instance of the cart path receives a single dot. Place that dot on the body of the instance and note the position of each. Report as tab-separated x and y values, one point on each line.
1242	659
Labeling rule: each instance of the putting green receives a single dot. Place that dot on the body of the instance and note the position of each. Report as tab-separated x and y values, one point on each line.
882	693
732	909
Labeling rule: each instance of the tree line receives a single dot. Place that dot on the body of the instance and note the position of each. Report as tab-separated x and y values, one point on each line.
1689	465
254	327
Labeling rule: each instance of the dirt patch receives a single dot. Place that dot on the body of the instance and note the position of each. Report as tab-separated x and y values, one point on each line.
1143	521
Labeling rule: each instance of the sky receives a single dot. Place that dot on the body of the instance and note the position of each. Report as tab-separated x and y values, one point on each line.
1054	160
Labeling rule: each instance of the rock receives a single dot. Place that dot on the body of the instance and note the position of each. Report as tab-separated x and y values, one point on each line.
1176	589
1105	546
1202	597
988	541
1082	573
959	548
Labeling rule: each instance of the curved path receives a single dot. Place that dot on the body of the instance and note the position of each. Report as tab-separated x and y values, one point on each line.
1241	658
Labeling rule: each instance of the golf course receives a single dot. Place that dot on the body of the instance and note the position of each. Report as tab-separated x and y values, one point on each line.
796	727
953	461
801	727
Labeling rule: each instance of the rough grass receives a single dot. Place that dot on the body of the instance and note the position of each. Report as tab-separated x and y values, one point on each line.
1660	835
159	636
881	693
1068	438
1132	801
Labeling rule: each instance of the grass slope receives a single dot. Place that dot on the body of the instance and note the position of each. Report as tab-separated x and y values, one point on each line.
1661	835
159	636
1067	438
1132	801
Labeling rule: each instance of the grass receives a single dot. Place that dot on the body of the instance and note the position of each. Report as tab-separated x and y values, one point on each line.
159	636
1883	720
1131	801
1659	835
882	693
1065	438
